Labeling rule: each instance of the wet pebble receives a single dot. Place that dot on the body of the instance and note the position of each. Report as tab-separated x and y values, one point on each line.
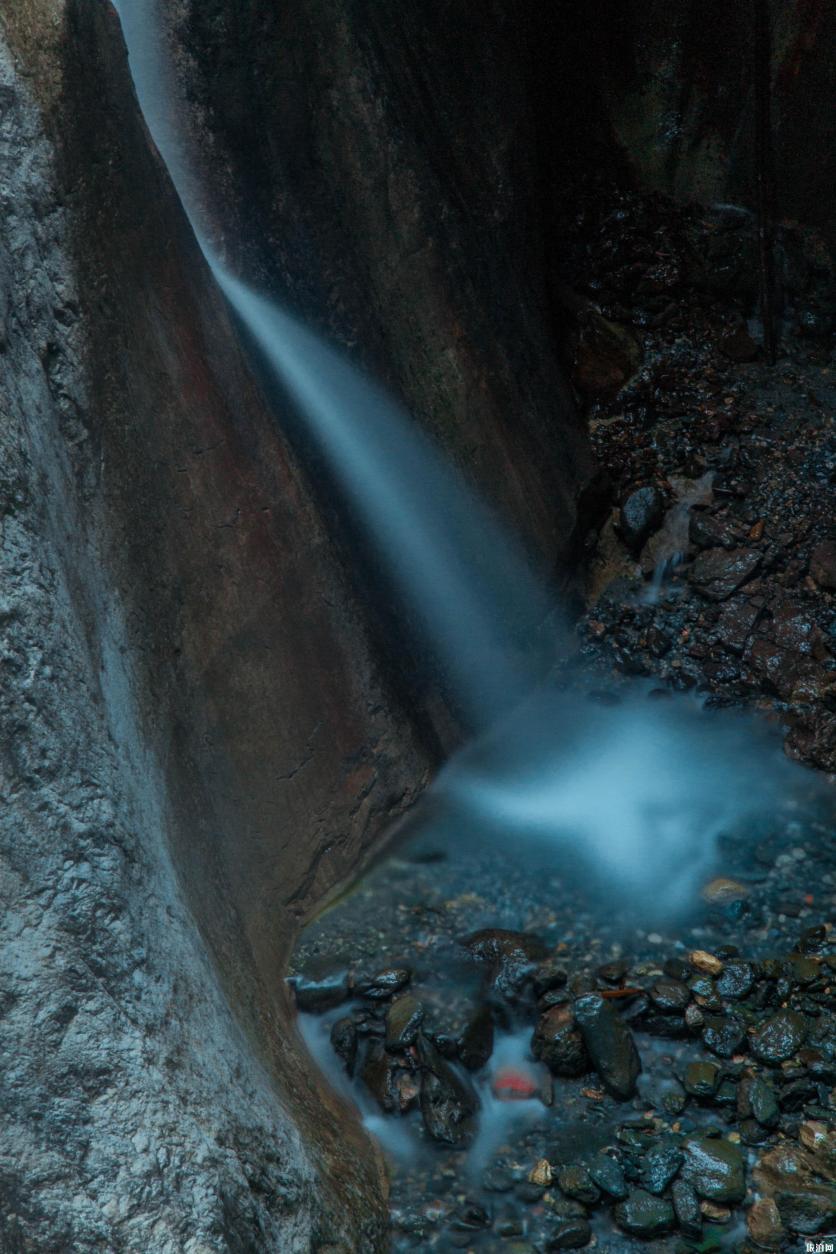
701	1079
570	1234
660	1166
558	1042
644	1215
723	1036
715	1169
610	1045
736	980
576	1182
344	1042
608	1174
403	1021
779	1037
385	983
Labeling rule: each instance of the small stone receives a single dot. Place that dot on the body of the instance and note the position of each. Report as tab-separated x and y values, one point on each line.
718	573
721	891
686	1207
610	1045
723	1036
541	1173
316	996
670	996
715	1169
448	1103
764	1104
779	1037
694	1017
763	1223
737	980
403	1021
660	1166
571	1234
701	1079
558	1043
705	962
385	983
509	957
576	1182
643	1215
640	516
608	1174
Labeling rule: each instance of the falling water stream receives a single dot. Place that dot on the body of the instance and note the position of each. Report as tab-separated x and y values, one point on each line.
640	792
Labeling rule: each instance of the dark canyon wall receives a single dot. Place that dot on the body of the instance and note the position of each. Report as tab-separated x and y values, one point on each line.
202	732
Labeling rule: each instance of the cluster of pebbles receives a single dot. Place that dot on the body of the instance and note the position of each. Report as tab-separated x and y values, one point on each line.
745	1125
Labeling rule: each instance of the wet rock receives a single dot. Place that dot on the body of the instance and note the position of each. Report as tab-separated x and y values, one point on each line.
541	1173
470	1217
344	1042
316	996
610	1045
718	573
608	1175
715	1214
660	1166
643	1215
641	514
379	1075
736	623
576	1182
763	1224
758	1099
508	957
708	964
711	531
385	983
820	1143
788	1175
549	976
724	1036
570	1234
686	1206
701	1079
715	1169
694	1018
476	1042
558	1042
403	1021
448	1103
779	1037
823	565
670	996
736	980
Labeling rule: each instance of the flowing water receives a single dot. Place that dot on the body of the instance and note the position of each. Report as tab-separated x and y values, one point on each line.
640	792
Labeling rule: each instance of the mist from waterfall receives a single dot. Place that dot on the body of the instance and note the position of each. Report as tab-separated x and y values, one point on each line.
640	791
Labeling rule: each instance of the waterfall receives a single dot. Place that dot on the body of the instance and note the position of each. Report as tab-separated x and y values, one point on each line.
641	791
464	579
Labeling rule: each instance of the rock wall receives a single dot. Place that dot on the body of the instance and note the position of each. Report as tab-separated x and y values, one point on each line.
202	734
666	92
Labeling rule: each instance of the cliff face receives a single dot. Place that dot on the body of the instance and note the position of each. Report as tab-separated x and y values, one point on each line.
203	733
666	91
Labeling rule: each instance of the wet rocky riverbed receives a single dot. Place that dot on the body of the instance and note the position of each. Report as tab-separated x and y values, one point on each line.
553	1060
